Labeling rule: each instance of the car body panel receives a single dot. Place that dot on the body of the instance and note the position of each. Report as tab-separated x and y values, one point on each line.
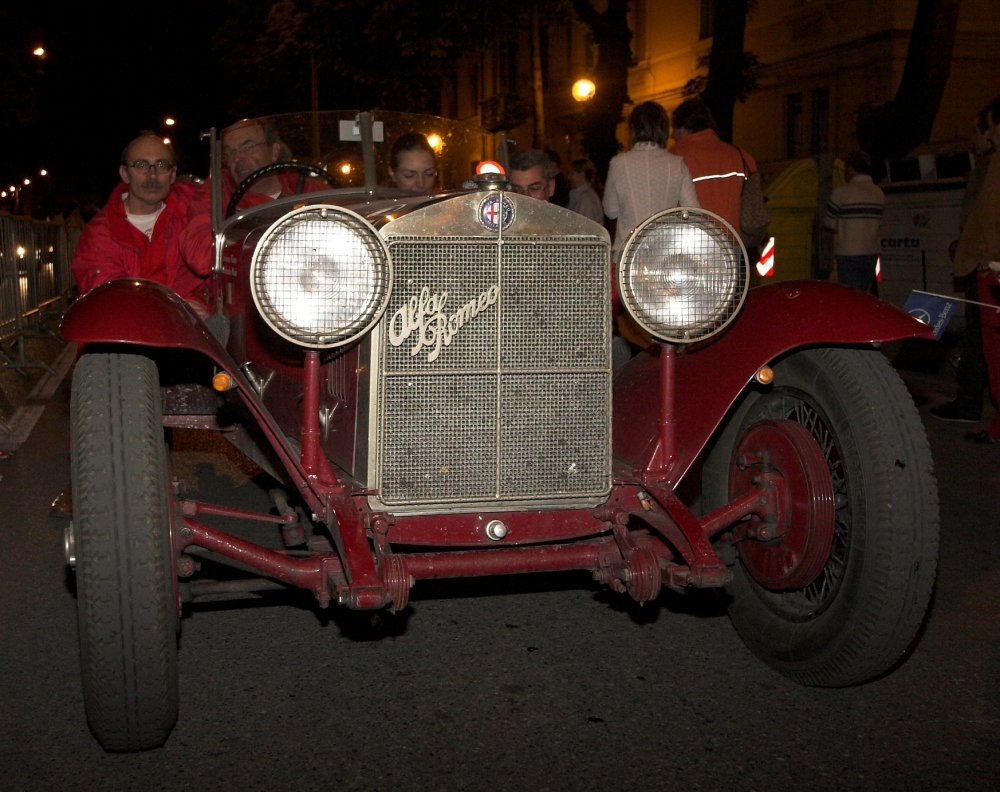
710	377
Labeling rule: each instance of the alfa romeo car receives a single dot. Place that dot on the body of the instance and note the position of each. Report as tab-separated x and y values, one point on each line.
429	383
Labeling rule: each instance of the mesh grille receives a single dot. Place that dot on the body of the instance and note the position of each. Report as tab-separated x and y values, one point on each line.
494	372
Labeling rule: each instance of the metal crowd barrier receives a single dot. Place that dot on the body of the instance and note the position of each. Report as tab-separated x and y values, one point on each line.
35	285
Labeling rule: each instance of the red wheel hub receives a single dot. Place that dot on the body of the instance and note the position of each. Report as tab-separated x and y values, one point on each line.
803	518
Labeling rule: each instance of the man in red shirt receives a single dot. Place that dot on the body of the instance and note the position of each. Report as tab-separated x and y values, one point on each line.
247	146
717	168
137	233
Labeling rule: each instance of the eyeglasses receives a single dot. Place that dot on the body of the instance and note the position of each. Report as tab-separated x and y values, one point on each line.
533	189
243	148
160	166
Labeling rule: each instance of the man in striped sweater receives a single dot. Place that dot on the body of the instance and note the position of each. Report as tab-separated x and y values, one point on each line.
854	214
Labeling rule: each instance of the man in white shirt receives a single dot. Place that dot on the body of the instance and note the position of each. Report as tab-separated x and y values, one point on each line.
854	214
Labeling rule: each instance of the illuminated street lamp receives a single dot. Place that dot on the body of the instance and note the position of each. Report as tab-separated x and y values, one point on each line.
40	55
169	122
14	191
584	90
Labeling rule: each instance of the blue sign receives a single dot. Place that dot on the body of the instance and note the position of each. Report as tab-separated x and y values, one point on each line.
935	310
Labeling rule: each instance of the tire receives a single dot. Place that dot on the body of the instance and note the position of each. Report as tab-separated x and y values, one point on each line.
859	616
127	611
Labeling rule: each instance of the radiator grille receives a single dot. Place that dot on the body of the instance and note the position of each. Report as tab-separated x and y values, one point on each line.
494	373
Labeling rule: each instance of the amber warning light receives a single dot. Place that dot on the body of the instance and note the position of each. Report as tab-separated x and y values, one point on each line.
221	382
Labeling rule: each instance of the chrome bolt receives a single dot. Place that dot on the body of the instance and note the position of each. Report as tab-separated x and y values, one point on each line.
496	530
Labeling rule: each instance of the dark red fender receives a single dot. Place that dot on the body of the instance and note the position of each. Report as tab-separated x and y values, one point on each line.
145	313
708	379
136	311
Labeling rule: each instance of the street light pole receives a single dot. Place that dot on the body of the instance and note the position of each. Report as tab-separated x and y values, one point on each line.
16	192
536	71
583	91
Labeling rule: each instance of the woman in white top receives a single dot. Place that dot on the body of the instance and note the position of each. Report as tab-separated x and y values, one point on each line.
646	179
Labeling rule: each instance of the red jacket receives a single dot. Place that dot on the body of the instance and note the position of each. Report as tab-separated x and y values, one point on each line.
717	171
110	247
197	240
289	182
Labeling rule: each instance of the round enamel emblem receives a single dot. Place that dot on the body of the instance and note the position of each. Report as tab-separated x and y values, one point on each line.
496	212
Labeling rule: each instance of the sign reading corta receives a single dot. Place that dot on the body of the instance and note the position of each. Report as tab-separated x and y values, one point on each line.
424	317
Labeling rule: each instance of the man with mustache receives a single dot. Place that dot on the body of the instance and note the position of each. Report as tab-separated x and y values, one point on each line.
138	232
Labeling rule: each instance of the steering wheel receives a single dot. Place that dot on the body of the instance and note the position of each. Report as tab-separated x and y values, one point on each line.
302	168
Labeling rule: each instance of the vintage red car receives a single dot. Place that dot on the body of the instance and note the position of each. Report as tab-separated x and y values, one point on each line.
429	380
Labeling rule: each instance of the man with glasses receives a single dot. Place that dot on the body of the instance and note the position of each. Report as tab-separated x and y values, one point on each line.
247	146
531	173
138	232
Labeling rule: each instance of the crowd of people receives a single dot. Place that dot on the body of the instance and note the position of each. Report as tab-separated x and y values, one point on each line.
157	227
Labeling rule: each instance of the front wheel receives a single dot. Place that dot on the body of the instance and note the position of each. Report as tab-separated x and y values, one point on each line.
869	561
126	602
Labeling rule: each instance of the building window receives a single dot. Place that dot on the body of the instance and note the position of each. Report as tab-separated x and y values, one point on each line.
793	125
819	128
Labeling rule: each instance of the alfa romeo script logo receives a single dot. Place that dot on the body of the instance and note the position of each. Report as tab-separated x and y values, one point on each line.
496	212
425	318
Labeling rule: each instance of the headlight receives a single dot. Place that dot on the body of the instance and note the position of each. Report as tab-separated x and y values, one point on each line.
321	276
683	275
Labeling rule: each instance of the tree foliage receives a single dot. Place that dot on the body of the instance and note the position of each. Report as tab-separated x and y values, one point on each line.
397	53
895	128
747	84
366	53
731	74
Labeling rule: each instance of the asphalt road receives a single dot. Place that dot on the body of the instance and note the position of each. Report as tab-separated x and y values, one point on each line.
512	686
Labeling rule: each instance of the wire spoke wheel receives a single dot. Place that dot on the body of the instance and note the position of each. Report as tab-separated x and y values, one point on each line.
858	614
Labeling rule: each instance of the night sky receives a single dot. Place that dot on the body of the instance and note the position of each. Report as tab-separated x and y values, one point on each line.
111	70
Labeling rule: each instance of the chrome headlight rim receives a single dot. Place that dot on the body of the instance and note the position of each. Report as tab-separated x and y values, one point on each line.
380	260
725	306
